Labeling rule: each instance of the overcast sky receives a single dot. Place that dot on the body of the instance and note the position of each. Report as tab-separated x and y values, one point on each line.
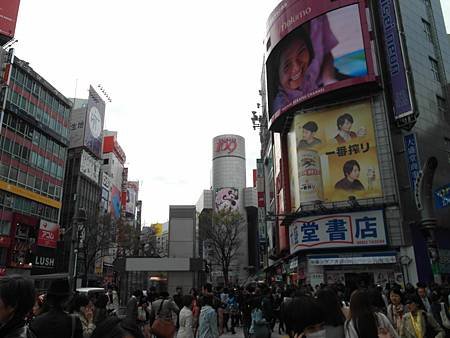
178	72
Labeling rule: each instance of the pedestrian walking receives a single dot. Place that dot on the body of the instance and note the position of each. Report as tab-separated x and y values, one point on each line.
305	318
334	317
162	312
186	319
364	321
114	327
82	308
100	312
417	323
260	327
56	323
396	310
208	326
17	297
132	306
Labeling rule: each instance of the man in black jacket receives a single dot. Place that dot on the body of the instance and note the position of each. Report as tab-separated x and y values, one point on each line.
56	323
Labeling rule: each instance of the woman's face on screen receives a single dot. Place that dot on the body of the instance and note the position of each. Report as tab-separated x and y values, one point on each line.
294	62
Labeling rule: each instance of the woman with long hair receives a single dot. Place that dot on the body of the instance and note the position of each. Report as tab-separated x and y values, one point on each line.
334	317
364	321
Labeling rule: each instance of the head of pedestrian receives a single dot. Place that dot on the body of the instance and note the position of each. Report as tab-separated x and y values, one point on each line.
58	293
422	290
328	300
395	296
17	297
113	327
305	318
179	290
413	303
187	301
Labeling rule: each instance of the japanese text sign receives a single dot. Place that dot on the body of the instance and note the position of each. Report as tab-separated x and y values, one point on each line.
412	158
48	234
338	230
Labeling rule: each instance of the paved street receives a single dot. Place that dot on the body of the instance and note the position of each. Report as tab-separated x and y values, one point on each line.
240	334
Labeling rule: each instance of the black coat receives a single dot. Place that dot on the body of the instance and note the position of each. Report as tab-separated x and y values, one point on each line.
55	324
15	328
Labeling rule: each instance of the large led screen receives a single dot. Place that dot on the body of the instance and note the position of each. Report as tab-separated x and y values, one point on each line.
333	155
321	54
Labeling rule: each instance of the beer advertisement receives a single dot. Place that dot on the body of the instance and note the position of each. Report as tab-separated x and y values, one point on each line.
333	155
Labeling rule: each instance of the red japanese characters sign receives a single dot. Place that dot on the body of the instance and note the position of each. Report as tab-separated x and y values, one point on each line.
48	234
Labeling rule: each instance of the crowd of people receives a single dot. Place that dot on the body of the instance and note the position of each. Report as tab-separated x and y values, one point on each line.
328	311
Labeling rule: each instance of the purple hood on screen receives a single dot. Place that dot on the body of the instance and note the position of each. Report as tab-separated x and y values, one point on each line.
323	41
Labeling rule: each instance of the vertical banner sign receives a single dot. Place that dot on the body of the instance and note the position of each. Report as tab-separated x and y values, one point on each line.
94	122
48	234
412	158
394	58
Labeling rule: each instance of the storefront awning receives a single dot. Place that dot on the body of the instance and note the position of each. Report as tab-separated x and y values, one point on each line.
373	258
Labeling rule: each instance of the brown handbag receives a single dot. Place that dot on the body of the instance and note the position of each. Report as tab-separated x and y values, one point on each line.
162	328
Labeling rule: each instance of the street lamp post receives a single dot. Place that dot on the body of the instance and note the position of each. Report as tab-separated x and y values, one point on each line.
78	219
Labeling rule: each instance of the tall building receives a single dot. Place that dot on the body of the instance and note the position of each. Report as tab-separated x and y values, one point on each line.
229	191
82	185
33	147
351	132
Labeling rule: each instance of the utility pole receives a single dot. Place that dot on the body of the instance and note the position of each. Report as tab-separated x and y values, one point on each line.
79	219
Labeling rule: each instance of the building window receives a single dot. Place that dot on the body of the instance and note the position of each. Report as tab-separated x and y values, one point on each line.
5	227
441	104
435	69
427	29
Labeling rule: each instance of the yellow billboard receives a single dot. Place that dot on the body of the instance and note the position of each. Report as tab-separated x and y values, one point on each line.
158	228
333	155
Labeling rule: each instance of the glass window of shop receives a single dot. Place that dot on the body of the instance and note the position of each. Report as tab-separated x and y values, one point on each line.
5	227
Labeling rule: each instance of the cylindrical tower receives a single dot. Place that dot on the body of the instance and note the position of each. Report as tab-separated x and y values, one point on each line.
228	162
228	184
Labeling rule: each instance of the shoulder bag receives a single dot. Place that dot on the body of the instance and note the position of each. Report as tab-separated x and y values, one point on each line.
162	328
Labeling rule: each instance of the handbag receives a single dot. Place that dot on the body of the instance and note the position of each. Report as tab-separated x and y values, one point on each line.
162	328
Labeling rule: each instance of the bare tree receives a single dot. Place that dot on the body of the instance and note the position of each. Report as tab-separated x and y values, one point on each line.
128	238
95	242
222	233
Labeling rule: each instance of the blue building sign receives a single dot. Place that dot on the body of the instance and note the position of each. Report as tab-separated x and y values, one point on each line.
354	229
442	197
412	158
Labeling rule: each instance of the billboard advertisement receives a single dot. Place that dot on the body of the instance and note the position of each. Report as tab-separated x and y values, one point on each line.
115	207
89	166
354	229
333	155
227	198
48	235
8	18
401	98
94	122
132	196
314	47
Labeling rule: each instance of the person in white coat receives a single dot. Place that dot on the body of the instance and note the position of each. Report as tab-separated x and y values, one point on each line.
364	321
186	319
